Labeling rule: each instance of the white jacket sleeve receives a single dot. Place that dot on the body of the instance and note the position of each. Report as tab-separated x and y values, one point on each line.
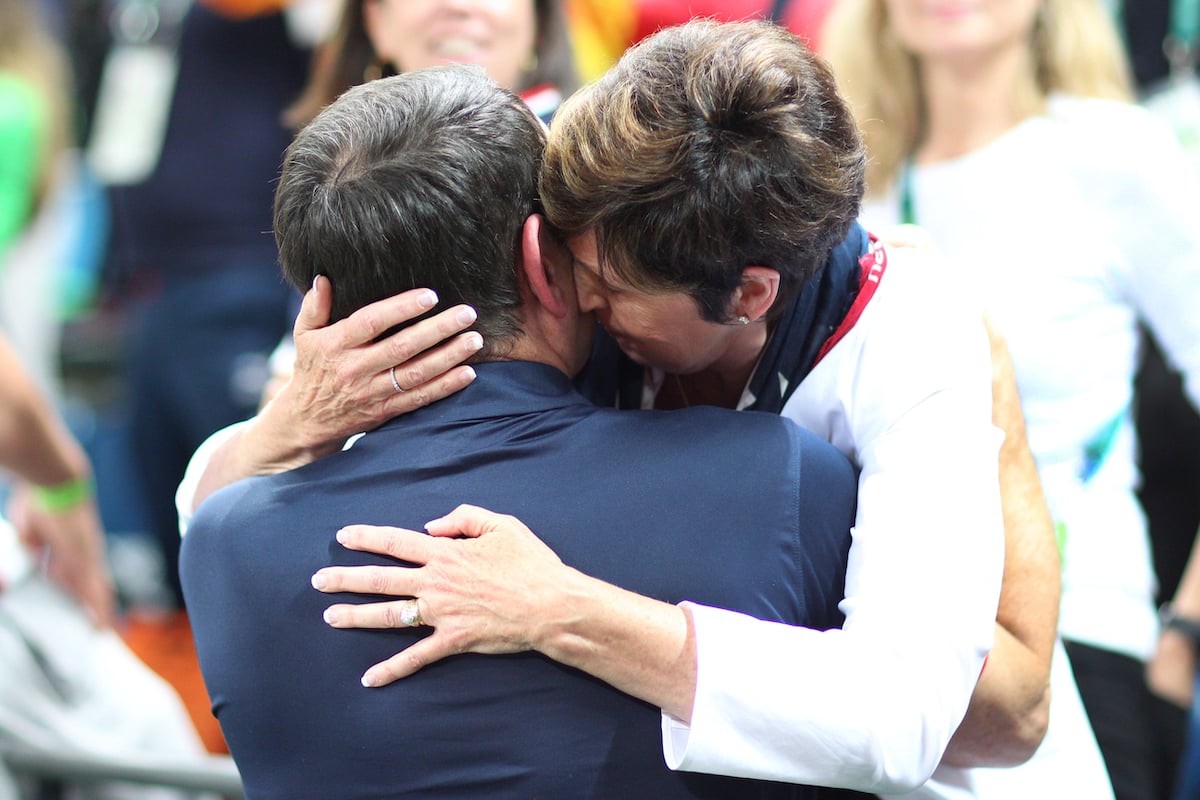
872	706
185	495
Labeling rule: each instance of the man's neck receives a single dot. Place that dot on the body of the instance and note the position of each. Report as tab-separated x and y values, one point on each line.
529	348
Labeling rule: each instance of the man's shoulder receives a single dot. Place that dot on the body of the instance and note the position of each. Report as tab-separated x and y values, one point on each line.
231	511
699	426
209	522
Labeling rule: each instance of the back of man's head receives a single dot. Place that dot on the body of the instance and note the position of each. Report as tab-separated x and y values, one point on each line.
708	148
421	180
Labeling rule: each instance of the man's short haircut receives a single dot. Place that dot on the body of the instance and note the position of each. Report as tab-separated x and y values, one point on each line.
421	180
708	148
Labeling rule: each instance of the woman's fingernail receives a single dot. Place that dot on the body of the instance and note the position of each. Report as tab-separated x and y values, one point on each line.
473	341
369	680
466	316
330	616
314	283
341	536
319	582
427	300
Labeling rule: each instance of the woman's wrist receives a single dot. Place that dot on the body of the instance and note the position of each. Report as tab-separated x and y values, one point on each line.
63	497
277	439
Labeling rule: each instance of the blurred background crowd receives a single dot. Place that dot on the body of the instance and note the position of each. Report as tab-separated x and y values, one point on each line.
139	142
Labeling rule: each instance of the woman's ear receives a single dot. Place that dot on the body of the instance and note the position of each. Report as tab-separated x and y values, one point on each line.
543	260
756	294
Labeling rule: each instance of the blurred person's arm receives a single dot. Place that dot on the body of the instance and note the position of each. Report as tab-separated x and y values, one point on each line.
1171	673
54	509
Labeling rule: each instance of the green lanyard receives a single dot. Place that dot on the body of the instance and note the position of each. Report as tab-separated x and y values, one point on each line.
908	204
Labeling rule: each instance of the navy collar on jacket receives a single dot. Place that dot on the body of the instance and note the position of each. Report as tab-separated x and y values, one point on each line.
500	389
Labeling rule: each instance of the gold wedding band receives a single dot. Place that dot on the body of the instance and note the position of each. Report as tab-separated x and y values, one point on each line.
410	614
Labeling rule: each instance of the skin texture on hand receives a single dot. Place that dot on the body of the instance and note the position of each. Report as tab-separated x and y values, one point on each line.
1009	711
341	382
500	589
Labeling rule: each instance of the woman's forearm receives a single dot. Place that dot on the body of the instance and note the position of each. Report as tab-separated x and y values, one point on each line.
1009	709
643	647
271	442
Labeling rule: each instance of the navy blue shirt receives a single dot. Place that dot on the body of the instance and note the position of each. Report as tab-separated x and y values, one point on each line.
741	510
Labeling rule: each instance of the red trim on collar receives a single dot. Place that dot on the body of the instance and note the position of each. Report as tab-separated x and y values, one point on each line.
872	265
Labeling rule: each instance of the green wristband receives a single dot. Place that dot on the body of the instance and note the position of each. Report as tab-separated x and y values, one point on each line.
64	496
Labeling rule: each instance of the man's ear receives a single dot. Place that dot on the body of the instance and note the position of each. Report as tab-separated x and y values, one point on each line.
757	293
545	262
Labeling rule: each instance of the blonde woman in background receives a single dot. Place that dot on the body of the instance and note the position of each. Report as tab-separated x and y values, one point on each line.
1002	127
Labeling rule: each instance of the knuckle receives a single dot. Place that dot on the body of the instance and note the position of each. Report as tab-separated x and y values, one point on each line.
412	376
400	348
393	545
421	397
327	348
391	618
377	579
415	661
343	373
394	667
371	322
449	324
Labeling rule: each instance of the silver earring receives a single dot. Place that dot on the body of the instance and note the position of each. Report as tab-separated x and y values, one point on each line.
743	320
